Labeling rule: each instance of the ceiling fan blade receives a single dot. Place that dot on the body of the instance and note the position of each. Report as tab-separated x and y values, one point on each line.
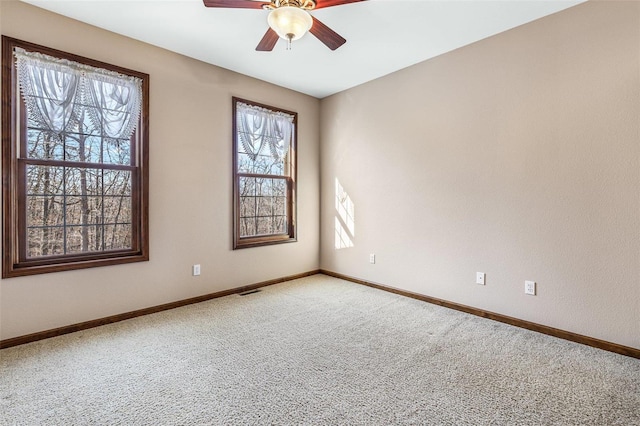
268	42
235	4
328	3
332	39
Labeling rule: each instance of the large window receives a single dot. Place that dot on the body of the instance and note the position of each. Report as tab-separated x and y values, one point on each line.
74	161
264	179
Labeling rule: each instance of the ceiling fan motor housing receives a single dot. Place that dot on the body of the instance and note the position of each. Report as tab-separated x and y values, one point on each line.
301	4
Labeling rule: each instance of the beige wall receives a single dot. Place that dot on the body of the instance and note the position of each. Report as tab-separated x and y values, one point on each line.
190	181
517	156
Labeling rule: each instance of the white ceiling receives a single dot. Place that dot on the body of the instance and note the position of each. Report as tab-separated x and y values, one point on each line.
382	35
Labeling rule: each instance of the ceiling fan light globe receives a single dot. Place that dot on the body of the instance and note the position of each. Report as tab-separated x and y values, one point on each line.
290	22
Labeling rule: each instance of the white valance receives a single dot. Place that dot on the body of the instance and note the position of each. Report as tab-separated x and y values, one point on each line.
260	127
58	91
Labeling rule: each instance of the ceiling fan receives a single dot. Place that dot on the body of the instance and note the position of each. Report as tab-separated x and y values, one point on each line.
289	19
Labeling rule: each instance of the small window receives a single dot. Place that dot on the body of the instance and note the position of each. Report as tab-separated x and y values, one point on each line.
74	152
264	178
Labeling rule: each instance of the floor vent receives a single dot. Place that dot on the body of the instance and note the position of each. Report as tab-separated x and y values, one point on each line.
246	293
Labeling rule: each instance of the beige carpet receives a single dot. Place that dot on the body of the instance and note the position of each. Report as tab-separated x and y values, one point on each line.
316	351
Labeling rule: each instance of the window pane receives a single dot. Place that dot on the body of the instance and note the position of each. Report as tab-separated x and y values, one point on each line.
117	182
31	124
279	187
245	164
83	210
280	225
267	165
280	206
263	186
45	241
247	227
83	181
83	148
265	226
83	239
45	211
42	145
84	124
45	180
265	206
117	151
72	149
262	165
247	186
117	237
247	206
117	210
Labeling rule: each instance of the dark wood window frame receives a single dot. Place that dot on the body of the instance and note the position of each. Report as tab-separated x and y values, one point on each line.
15	262
290	235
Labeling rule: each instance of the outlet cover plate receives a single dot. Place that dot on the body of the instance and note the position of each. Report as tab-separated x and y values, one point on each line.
480	278
530	288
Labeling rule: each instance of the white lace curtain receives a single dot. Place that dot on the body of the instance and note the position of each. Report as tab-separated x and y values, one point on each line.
261	128
57	92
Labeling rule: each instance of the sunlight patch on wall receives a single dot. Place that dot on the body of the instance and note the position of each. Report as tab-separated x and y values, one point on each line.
345	218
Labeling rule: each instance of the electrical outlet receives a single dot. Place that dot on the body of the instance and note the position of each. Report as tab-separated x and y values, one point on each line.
372	258
530	288
195	270
480	278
